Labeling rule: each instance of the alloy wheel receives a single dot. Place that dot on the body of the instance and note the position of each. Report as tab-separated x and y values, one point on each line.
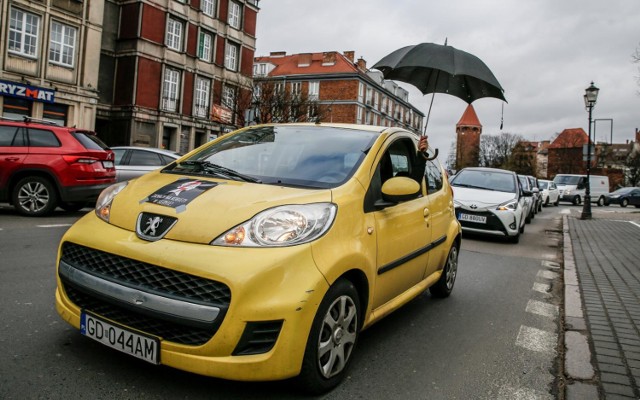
337	336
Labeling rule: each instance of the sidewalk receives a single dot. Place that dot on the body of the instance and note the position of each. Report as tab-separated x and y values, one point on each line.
602	306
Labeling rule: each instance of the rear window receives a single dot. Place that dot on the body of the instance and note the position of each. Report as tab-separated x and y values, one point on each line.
42	138
89	141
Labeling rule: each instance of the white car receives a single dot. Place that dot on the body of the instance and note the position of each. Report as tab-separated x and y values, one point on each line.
549	191
490	201
529	202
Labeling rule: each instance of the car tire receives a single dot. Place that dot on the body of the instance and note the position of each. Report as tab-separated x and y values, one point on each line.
557	203
332	339
514	239
444	286
546	202
577	201
624	202
600	202
527	219
72	206
521	230
34	196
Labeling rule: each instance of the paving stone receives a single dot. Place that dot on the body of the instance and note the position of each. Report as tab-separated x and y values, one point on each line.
581	391
614	388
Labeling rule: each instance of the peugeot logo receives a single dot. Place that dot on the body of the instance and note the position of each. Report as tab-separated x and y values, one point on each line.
473	206
153	227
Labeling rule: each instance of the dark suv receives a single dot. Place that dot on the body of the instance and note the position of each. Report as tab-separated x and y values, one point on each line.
43	165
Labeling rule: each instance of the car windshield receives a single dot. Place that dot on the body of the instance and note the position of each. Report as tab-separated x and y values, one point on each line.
623	190
566	179
296	155
488	180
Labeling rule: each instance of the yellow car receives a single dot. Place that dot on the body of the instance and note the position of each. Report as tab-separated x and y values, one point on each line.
262	254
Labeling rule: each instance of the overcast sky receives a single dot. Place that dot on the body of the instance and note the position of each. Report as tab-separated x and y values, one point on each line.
544	53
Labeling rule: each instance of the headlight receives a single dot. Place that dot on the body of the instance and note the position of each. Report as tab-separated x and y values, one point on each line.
567	191
510	205
103	205
281	226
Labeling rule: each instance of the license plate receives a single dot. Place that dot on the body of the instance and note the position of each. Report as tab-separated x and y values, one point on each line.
144	347
107	164
480	219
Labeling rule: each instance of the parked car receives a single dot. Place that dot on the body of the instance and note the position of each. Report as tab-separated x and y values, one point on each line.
44	165
132	162
262	254
549	192
490	201
529	200
537	197
624	197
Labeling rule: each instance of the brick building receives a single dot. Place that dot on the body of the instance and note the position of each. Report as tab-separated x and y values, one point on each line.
334	87
171	71
565	153
468	131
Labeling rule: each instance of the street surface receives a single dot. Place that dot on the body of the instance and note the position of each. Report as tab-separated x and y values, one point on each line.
496	337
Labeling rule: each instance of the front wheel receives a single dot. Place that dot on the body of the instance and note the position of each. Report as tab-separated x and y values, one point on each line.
34	196
333	336
600	201
624	203
444	286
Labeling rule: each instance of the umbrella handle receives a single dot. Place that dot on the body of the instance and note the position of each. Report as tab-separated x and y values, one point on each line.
426	155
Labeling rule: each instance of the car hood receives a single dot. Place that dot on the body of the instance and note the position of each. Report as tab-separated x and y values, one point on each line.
480	198
204	208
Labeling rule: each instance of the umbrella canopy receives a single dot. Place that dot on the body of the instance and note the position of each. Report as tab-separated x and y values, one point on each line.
435	68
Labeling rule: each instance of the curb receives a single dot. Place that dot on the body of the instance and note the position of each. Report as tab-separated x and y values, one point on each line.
577	363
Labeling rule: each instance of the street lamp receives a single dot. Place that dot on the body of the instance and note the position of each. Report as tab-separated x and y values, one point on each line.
590	97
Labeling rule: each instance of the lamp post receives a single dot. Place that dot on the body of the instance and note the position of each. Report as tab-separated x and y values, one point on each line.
590	97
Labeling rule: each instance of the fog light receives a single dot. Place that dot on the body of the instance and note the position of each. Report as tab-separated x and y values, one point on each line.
513	225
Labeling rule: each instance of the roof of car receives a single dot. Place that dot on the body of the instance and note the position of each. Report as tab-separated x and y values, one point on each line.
153	149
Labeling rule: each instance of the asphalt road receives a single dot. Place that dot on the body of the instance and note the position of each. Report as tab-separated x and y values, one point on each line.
496	337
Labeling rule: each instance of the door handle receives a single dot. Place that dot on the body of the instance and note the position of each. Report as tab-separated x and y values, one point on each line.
12	159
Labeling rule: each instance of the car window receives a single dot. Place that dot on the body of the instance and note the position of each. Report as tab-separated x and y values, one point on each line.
146	158
12	136
434	176
543	185
89	141
42	138
119	155
166	160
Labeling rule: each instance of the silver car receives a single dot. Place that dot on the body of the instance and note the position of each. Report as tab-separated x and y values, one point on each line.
132	162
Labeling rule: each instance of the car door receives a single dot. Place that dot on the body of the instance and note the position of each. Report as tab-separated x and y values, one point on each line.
13	151
441	211
403	231
634	198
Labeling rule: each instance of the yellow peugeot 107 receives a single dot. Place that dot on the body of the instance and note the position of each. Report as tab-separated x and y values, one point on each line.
262	254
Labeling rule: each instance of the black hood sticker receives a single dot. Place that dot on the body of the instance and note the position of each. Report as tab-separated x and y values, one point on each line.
180	193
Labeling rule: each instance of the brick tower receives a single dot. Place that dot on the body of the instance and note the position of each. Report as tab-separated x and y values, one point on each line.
468	132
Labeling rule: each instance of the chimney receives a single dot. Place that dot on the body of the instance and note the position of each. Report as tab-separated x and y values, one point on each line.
362	64
328	58
278	54
350	55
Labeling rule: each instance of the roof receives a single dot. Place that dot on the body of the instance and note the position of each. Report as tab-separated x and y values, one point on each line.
330	62
570	138
469	118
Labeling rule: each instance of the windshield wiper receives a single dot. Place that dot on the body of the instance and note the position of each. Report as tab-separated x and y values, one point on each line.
220	170
471	186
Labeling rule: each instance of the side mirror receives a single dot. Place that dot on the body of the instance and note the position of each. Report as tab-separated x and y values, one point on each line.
527	193
536	190
398	189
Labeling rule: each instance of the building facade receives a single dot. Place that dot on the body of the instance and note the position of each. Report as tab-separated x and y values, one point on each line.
165	74
49	57
330	87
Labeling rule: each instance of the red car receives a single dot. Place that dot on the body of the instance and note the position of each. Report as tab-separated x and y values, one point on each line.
43	165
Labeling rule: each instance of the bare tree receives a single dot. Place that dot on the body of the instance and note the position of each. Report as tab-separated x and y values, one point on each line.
274	101
495	151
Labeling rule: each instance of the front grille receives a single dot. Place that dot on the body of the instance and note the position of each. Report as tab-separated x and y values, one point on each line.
493	222
150	278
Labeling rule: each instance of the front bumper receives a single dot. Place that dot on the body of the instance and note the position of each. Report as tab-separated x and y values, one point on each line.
281	285
502	223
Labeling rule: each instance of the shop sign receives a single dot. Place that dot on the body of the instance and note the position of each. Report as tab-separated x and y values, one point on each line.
29	92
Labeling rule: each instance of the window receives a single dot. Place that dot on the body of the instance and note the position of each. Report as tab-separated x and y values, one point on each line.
42	138
360	92
205	43
170	89
314	90
148	158
369	99
235	10
203	87
434	176
12	136
56	113
296	88
63	44
229	96
231	56
174	34
359	116
23	32
209	7
15	108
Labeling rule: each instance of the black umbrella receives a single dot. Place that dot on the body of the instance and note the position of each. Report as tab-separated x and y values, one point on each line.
435	68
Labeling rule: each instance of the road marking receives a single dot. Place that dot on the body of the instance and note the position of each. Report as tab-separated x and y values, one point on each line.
550	264
542	308
53	226
542	287
519	393
537	340
565	211
635	223
547	274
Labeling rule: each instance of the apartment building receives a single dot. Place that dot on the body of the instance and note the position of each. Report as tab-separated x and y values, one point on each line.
166	73
337	88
